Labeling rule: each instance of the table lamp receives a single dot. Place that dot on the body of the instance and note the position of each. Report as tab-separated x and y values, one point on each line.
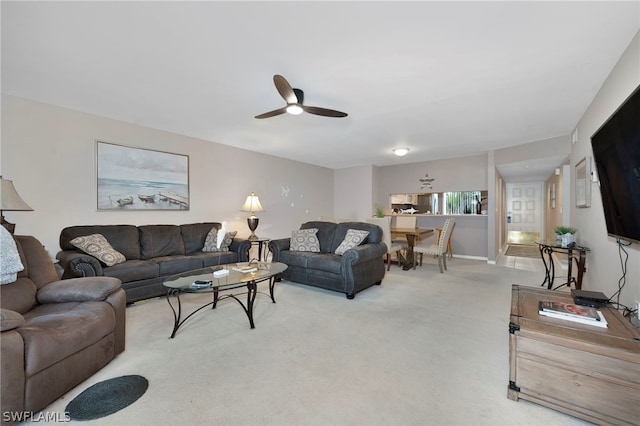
252	204
11	201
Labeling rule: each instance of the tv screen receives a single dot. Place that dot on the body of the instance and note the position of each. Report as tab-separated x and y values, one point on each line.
616	153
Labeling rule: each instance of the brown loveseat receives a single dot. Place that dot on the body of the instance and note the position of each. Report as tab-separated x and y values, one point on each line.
55	334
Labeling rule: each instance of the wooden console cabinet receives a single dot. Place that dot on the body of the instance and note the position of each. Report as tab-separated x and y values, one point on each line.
588	372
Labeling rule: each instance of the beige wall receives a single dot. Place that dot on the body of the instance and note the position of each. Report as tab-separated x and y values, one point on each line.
49	153
497	219
457	174
603	262
553	214
533	150
353	193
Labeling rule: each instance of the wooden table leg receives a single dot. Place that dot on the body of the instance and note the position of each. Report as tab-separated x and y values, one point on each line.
411	241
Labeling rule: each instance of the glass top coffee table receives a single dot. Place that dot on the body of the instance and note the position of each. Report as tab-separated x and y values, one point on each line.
215	279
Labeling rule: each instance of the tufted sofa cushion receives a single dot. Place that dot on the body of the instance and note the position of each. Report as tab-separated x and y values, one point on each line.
123	238
374	237
355	270
160	240
163	250
325	233
194	235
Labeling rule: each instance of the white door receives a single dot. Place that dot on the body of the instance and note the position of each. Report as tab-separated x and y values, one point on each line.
524	212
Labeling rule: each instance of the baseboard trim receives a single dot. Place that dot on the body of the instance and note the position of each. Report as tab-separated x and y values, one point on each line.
462	256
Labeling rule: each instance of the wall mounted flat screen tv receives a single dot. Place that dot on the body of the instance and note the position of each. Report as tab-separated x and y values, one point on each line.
616	153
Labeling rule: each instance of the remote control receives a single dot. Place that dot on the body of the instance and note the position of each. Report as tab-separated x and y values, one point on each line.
200	284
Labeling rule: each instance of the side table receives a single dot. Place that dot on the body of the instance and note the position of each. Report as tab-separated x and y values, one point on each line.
574	253
261	242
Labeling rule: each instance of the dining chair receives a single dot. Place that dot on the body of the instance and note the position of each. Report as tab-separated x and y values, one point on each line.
439	249
405	222
448	249
385	224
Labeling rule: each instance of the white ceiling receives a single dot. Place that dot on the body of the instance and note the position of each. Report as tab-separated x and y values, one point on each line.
446	79
531	170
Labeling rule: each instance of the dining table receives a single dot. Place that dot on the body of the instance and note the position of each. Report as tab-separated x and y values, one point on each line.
413	235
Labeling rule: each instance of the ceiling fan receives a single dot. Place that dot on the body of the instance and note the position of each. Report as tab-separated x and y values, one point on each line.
295	99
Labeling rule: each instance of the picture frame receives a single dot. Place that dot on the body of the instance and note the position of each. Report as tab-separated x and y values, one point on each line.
132	178
583	183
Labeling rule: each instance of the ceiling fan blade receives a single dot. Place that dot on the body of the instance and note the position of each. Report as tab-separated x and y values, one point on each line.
285	90
324	111
272	113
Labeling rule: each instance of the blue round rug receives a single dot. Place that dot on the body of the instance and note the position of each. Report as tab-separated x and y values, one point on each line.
107	397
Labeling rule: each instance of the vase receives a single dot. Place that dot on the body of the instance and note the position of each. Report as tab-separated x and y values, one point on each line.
567	239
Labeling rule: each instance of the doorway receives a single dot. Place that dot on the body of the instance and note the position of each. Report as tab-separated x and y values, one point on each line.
524	212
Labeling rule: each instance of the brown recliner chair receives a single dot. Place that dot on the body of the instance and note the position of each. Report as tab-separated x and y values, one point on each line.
54	334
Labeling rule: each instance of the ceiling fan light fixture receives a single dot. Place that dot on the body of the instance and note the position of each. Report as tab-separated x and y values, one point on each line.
401	152
295	102
294	109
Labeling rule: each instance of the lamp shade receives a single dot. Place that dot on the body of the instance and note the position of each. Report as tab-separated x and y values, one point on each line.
9	198
252	204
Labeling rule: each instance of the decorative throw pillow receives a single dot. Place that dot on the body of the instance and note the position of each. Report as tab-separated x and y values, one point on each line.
305	240
211	242
353	239
96	245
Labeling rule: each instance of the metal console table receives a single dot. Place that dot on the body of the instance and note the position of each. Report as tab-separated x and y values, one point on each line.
575	253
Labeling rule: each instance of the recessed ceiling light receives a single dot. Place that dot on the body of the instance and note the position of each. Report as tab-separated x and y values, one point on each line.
401	152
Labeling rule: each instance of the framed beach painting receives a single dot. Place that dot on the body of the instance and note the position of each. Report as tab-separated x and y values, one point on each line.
131	178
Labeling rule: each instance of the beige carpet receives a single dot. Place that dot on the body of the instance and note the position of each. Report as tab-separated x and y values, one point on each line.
424	348
523	250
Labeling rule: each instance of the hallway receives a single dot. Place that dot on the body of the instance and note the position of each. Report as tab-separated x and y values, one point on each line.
521	263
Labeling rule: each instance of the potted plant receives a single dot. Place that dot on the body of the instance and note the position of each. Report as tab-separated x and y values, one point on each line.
379	211
565	234
561	230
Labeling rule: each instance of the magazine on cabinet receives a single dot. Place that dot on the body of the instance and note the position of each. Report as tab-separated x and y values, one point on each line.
572	312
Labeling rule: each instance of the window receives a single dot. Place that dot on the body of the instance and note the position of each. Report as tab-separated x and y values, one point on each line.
465	202
444	203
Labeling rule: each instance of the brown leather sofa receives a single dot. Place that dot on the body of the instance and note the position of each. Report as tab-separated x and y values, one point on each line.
55	334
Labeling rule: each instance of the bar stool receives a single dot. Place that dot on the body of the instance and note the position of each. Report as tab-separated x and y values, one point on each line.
448	243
